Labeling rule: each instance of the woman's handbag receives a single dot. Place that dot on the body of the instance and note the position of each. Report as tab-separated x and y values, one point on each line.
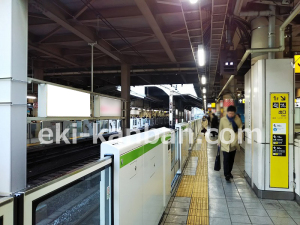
203	130
218	161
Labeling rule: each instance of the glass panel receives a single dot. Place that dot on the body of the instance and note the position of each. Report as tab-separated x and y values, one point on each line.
177	146
33	130
172	155
86	201
104	125
119	125
79	127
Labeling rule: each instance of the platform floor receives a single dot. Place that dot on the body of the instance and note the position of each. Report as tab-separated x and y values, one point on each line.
205	197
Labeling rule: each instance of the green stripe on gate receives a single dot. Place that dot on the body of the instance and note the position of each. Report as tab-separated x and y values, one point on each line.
150	146
133	155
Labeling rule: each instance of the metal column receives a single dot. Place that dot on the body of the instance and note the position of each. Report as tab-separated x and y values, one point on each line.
272	24
38	73
125	94
92	77
171	110
13	91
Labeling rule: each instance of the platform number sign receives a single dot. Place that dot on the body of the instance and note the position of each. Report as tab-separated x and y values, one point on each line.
279	140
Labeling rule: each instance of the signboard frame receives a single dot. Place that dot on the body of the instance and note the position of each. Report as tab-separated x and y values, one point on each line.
279	127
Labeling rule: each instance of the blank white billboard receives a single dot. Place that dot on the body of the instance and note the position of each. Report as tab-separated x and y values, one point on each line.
106	107
57	101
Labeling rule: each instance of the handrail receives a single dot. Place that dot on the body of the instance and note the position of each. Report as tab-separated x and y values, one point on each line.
73	175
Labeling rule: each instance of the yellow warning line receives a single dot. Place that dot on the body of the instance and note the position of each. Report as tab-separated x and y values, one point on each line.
196	188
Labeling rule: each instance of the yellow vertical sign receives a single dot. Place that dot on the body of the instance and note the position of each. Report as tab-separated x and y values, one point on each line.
279	141
297	63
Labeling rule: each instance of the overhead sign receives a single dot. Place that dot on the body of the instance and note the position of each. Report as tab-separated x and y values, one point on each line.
297	63
221	103
213	105
209	105
279	144
107	107
55	101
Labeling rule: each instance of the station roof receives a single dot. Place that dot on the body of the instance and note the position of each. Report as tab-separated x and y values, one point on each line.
158	38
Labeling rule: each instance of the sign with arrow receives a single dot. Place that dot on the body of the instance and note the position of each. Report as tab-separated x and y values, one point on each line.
279	140
297	63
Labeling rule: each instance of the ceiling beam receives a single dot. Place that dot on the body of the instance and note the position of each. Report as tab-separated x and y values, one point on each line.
82	10
144	8
119	13
53	12
53	55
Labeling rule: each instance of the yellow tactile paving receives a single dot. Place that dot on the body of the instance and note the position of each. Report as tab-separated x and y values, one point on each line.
196	188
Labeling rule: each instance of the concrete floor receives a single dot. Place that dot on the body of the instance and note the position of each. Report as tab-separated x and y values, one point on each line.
232	202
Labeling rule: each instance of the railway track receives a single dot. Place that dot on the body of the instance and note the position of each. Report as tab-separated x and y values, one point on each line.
47	162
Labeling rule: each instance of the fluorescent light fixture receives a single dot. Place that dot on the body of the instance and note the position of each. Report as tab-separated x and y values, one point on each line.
204	90
231	63
201	55
204	96
193	1
203	79
226	64
31	97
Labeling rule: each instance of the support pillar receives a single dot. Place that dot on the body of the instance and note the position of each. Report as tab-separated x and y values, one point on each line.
171	110
125	94
13	91
38	73
272	24
265	33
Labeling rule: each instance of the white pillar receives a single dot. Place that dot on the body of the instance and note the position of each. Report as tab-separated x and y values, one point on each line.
13	91
125	94
171	110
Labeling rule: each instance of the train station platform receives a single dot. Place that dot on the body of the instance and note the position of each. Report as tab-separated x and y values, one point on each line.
205	197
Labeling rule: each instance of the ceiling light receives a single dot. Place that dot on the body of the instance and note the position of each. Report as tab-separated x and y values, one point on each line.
204	96
203	79
204	90
231	63
31	97
201	55
226	64
193	1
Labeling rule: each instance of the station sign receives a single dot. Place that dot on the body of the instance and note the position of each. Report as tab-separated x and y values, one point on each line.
279	140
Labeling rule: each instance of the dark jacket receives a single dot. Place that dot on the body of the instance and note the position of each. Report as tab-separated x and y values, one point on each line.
215	122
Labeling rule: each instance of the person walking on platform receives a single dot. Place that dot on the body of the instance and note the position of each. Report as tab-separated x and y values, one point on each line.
228	146
204	124
214	124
